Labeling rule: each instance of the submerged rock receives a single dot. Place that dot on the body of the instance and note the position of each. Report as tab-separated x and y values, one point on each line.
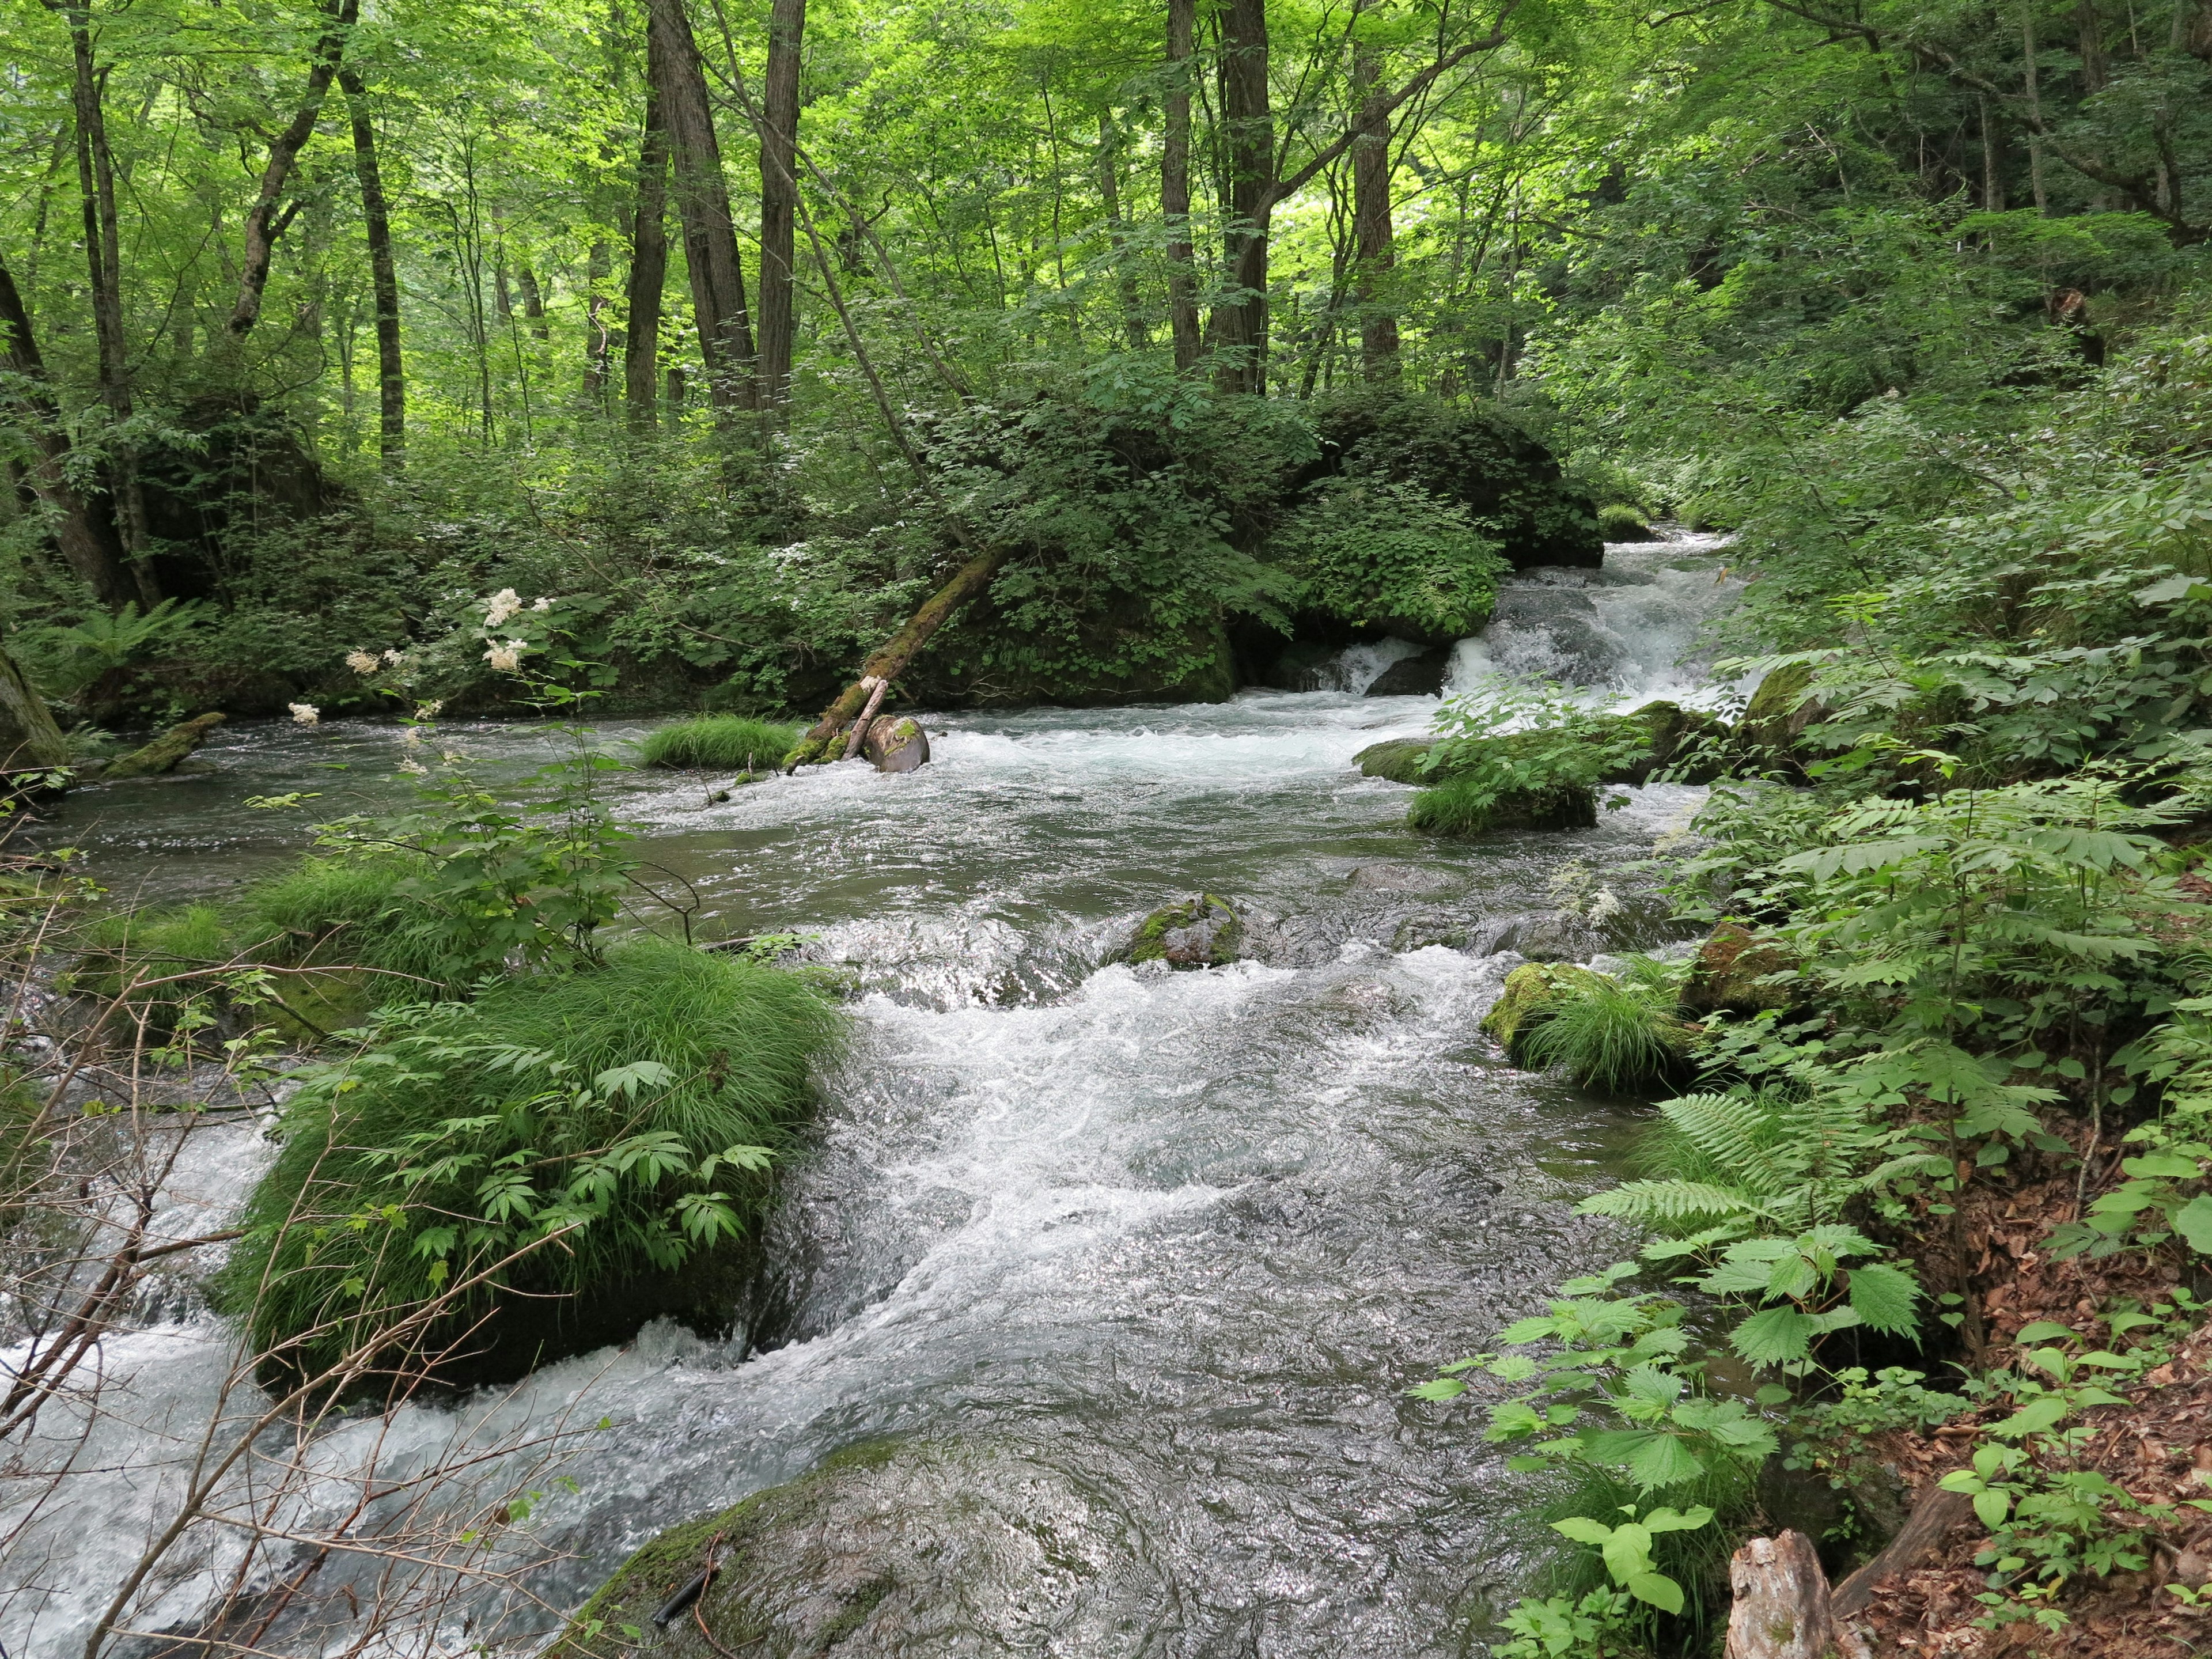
1531	994
899	746
1544	936
1304	666
927	1547
1735	969
1422	676
1202	931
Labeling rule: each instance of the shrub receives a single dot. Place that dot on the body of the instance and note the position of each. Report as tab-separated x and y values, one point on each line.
1391	555
1473	804
720	743
1522	756
578	1134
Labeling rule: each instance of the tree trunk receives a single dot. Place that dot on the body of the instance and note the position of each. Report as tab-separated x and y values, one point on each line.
81	528
30	740
1934	1515
1781	1609
648	273
261	222
2096	72
598	349
1174	185
95	172
384	277
1238	332
533	301
1373	253
703	202
1117	232
888	664
778	174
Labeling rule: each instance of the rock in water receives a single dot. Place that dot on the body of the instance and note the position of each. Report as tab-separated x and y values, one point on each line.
951	1547
163	754
1396	758
1202	931
1529	994
899	746
1423	676
1734	971
1304	666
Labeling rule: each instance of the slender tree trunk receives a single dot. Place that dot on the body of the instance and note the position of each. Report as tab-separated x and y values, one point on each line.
81	528
383	275
533	301
1993	191
648	273
1117	232
1174	185
1373	252
779	174
2030	72
598	263
703	202
2096	68
261	222
1238	332
95	170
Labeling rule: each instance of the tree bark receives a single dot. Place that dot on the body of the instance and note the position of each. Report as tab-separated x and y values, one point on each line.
1117	232
1373	250
1934	1515
533	301
384	276
95	172
1781	1609
779	175
1174	185
30	738
2096	72
599	348
81	528
888	664
648	273
703	202
1239	332
261	222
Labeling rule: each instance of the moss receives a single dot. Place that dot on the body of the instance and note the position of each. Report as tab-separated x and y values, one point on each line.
1687	743
1774	722
1398	759
1736	970
1202	931
1462	806
1620	521
165	753
1529	994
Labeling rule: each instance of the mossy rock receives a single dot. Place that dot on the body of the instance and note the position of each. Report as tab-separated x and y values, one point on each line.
939	1545
1201	931
1531	991
1734	972
1438	811
1676	733
1773	727
1398	759
1619	521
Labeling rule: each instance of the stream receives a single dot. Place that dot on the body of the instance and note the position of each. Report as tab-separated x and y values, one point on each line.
1151	1257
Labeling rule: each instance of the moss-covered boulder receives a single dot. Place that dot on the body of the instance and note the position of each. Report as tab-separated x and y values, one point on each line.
1398	759
1738	971
1621	521
1531	994
1199	932
1773	730
1686	742
899	746
918	1547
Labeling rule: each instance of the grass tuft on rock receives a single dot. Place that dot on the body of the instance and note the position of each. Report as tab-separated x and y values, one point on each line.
720	743
1617	1035
1475	804
600	1132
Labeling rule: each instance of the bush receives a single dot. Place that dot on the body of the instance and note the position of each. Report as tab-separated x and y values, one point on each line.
1523	757
579	1137
1375	554
720	743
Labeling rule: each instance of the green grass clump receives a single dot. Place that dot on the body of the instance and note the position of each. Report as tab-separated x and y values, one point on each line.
347	910
720	743
137	949
1471	805
630	1109
1617	1035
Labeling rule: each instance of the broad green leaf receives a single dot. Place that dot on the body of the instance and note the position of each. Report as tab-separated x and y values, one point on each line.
1582	1529
1656	1587
1884	1298
1992	1506
2193	1221
1774	1335
2171	1165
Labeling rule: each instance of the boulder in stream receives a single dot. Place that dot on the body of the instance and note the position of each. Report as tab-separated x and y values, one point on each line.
899	746
1737	971
916	1546
1530	993
1201	931
1773	730
1422	676
1398	759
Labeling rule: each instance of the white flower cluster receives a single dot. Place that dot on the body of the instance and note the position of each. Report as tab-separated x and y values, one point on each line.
506	655
508	604
363	663
305	713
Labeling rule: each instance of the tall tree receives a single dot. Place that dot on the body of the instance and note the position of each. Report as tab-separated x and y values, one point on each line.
1239	332
1373	252
383	275
1117	231
779	154
83	528
703	202
648	271
261	225
103	255
1175	182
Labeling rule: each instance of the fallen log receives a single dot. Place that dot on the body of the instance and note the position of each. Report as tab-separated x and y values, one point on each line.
887	664
163	754
1935	1514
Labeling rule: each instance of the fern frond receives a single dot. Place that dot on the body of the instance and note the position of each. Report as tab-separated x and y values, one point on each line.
1670	1201
1733	1133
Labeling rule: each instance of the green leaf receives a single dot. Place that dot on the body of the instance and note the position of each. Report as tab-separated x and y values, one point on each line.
1582	1529
2042	1330
2171	1165
1775	1335
1660	1591
1884	1297
1992	1506
2193	1221
1689	1519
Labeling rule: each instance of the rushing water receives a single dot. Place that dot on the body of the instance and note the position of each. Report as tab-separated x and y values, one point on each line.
1173	1243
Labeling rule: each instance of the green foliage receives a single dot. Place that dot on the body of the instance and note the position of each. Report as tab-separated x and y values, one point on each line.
1522	754
720	743
1596	1625
559	1135
155	964
1626	1548
2167	1194
70	658
1392	556
1617	1035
